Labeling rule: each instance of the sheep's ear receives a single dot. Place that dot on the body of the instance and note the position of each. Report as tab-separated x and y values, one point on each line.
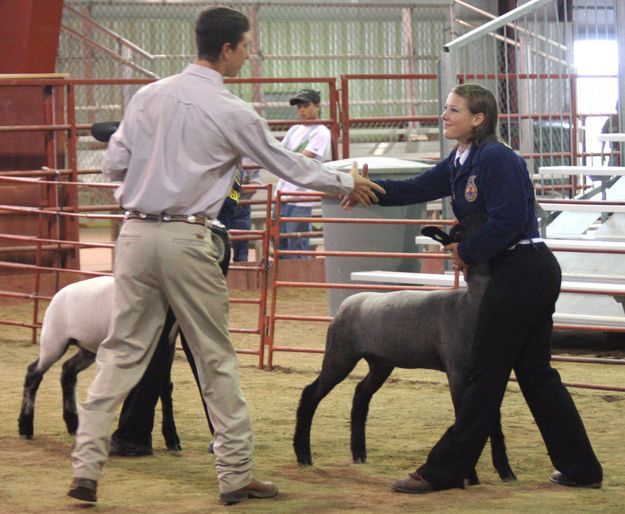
468	226
437	234
103	130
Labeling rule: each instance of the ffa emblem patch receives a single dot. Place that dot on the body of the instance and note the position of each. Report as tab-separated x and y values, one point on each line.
470	192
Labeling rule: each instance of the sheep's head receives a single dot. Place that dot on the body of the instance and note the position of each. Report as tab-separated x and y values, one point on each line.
464	230
467	227
459	232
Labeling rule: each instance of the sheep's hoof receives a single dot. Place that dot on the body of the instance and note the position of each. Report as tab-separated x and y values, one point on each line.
473	480
71	422
26	437
505	472
25	427
173	443
360	460
304	460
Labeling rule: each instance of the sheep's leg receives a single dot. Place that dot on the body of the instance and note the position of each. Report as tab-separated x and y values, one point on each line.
27	412
187	352
337	364
499	454
136	421
378	373
168	425
308	403
71	367
51	349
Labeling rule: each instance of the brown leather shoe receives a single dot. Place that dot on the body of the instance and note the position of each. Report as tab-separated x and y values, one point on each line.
414	484
255	489
83	489
561	479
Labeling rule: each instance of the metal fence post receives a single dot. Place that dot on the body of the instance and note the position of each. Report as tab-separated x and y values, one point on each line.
619	10
446	82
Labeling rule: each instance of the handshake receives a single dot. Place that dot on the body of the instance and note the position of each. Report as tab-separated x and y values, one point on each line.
364	190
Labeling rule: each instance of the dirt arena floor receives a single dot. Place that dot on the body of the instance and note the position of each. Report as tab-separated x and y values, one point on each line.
406	418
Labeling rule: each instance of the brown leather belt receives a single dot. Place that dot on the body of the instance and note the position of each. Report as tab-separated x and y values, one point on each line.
167	218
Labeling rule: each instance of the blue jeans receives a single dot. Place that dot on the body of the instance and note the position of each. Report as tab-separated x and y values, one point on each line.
294	243
241	220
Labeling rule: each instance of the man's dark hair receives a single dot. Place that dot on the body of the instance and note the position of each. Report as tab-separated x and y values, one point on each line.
217	26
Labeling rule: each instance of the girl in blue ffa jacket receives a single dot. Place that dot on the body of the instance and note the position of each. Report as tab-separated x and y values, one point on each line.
483	175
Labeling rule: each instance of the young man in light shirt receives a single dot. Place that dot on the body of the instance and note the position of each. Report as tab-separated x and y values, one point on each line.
176	153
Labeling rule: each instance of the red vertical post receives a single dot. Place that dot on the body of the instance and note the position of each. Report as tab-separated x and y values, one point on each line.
334	128
574	152
73	223
345	115
275	237
89	59
29	35
264	322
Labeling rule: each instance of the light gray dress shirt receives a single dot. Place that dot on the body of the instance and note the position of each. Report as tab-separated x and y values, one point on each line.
180	142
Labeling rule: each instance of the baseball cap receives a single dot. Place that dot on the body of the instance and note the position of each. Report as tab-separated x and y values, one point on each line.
306	95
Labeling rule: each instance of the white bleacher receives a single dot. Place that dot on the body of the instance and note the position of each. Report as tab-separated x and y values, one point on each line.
580	283
578	207
581	245
571	245
599	171
448	280
611	138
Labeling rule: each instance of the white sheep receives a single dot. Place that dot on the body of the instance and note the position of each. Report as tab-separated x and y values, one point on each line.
80	314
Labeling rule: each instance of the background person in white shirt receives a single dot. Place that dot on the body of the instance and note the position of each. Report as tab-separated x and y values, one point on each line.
312	141
176	152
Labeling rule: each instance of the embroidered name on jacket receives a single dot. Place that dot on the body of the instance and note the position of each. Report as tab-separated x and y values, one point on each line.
470	192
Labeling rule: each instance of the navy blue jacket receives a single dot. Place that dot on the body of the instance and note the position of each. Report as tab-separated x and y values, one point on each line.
493	180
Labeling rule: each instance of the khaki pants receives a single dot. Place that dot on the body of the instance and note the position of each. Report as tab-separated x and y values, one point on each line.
160	264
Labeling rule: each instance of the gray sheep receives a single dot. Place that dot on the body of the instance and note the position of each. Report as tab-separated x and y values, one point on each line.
406	329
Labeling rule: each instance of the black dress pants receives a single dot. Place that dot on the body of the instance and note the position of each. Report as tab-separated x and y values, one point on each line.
514	332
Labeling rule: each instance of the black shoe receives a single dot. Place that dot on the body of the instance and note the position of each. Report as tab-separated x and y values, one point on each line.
414	484
561	479
255	489
122	449
83	489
